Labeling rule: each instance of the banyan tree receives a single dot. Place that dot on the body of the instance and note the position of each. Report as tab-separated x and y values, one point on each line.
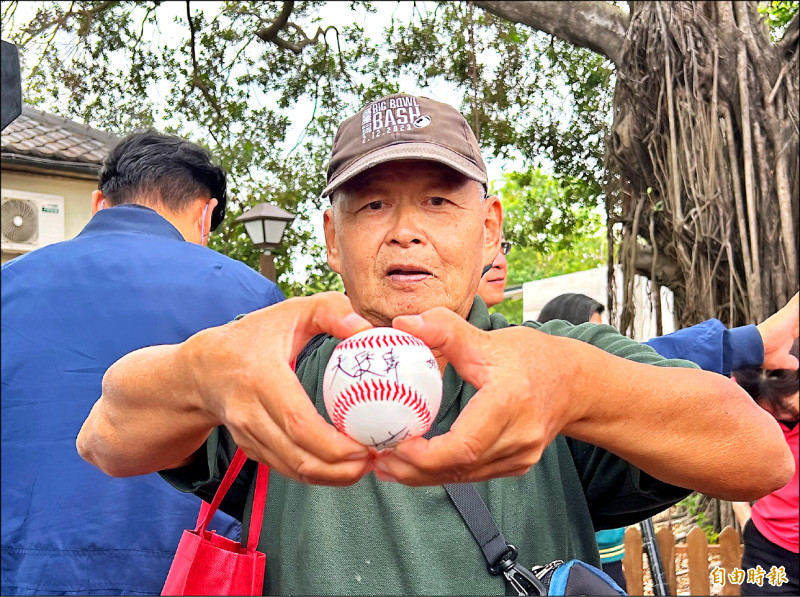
702	161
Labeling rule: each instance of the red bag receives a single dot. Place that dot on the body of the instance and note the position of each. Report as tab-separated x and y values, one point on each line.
209	564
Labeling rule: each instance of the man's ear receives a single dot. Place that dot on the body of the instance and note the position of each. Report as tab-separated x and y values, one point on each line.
493	228
330	240
97	201
204	222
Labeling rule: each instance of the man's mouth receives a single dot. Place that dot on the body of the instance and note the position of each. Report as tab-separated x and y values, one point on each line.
410	274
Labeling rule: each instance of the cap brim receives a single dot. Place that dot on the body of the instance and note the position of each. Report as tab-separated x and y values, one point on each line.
408	151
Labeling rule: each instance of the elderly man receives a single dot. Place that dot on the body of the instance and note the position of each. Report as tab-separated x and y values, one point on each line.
560	432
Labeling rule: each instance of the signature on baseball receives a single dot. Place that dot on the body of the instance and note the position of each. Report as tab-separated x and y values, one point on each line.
363	365
392	438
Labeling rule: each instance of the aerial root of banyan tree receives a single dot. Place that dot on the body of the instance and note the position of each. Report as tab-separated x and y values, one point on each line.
702	163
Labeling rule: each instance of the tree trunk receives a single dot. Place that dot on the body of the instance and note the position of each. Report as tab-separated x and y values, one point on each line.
697	135
702	162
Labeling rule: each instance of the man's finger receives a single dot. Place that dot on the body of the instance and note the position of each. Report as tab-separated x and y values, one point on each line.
472	438
263	439
778	332
412	474
298	419
459	341
328	312
788	361
333	313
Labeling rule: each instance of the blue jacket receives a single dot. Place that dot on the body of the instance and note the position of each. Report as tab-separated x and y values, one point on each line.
69	310
713	346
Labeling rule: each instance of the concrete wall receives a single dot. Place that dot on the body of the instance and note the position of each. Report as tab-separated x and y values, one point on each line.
593	283
77	197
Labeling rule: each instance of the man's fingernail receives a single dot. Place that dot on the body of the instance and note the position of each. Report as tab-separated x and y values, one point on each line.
357	456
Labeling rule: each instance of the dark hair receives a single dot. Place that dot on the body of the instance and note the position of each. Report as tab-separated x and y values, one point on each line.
572	307
153	168
773	387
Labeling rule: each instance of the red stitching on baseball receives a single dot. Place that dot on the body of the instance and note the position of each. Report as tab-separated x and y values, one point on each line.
382	341
379	391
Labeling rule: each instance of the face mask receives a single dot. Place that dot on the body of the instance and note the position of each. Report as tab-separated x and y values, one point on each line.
102	203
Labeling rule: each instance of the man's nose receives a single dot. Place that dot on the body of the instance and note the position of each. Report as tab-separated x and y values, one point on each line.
405	229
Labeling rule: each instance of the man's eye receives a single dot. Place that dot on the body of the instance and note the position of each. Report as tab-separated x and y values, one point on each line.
374	205
437	201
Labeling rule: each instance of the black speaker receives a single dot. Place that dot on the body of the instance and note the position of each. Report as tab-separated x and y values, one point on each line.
11	88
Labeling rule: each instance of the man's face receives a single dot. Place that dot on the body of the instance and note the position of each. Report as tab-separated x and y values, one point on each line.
408	236
493	283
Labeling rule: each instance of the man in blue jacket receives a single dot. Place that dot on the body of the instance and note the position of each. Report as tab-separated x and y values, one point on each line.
137	275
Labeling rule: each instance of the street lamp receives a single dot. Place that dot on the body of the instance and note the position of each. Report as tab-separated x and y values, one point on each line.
265	224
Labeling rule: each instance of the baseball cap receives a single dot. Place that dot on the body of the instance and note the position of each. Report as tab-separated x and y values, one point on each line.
404	127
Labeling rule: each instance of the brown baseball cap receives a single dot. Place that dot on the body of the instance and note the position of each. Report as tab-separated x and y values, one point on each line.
404	127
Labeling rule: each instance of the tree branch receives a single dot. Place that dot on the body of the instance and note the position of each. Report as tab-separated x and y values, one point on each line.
664	272
599	26
197	81
61	21
271	33
473	71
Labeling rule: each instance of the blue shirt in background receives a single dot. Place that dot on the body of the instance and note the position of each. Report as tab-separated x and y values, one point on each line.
69	311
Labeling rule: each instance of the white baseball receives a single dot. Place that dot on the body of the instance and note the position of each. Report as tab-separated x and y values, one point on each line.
382	386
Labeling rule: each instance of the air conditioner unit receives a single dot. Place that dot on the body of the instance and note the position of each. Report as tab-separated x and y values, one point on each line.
30	220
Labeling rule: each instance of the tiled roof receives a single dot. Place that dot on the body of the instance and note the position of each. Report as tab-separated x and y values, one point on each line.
38	134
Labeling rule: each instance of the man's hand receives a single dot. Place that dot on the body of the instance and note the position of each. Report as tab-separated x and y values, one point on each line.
533	386
778	332
519	408
243	373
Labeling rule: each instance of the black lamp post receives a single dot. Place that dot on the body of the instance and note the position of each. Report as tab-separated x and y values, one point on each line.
265	224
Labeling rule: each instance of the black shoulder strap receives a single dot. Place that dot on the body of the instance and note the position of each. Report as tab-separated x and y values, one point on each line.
500	555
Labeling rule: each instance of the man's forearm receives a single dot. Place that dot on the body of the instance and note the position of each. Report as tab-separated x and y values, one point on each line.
149	416
686	427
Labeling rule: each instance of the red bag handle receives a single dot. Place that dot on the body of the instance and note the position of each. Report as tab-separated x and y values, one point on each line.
207	510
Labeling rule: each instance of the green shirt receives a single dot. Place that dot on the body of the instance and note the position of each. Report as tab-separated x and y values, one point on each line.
381	538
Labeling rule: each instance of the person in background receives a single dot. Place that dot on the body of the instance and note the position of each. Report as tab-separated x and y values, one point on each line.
493	282
772	525
573	307
137	275
709	344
